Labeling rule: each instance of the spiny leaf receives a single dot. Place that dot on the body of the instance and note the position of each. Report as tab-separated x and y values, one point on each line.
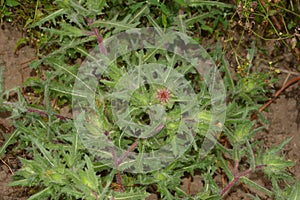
45	153
52	17
69	30
44	194
8	142
195	3
95	6
255	185
114	23
295	194
143	11
11	3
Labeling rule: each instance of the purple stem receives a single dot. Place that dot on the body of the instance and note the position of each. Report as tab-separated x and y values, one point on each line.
98	35
237	176
120	160
236	165
115	159
100	41
131	148
38	111
43	113
181	11
159	128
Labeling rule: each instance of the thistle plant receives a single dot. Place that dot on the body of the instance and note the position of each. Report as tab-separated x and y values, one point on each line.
149	108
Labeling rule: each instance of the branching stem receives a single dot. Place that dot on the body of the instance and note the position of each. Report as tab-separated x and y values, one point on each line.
118	161
237	175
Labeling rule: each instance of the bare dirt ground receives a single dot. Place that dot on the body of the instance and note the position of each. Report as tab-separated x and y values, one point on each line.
15	73
283	115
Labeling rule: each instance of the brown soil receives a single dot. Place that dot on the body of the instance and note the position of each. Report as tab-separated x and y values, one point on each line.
283	116
16	64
